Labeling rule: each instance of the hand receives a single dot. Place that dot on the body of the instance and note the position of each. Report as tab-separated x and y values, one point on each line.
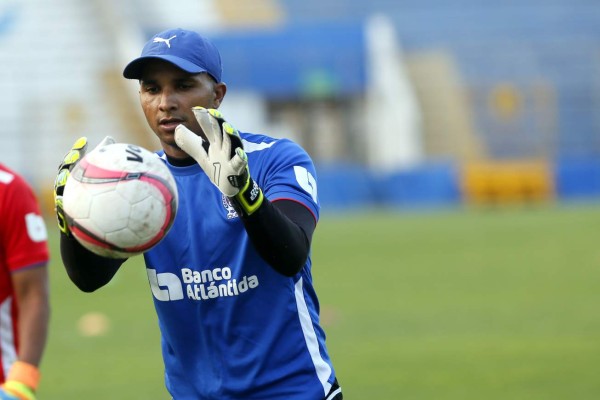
76	153
9	391
21	382
225	162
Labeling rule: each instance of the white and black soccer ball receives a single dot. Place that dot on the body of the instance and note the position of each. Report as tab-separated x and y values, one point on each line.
120	200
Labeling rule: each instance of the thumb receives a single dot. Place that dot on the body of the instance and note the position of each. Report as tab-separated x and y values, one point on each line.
106	141
189	142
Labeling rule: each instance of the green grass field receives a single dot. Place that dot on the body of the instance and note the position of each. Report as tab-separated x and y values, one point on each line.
447	305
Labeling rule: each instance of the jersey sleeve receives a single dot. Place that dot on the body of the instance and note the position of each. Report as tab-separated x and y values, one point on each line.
24	234
288	173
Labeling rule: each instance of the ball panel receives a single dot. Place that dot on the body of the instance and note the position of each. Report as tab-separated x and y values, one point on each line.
77	199
125	237
110	211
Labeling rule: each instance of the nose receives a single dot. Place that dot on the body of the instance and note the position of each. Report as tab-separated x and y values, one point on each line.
168	100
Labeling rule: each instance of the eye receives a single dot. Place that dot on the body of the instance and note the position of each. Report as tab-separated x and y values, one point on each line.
185	85
150	88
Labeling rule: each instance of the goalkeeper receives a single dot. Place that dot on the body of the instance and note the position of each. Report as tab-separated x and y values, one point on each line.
231	282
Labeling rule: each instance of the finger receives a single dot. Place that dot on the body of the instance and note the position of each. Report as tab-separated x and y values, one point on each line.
76	152
191	143
216	113
239	161
226	147
80	143
199	114
234	137
61	181
71	158
209	125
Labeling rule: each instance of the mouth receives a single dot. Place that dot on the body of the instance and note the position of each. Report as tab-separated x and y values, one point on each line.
169	124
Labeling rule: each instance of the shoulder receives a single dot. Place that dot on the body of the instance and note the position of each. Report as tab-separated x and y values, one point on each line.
7	176
256	143
10	181
21	216
268	155
263	145
282	168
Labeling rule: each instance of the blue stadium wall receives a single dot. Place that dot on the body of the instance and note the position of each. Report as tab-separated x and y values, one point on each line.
442	185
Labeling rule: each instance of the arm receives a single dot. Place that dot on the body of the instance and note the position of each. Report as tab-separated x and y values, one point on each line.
86	270
281	232
31	292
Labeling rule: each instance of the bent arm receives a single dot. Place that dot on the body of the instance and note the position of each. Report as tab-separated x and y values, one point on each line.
281	233
86	270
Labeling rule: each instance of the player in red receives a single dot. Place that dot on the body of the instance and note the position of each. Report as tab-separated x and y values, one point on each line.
24	304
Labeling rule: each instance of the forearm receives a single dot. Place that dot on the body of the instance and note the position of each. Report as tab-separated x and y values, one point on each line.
281	232
34	315
86	270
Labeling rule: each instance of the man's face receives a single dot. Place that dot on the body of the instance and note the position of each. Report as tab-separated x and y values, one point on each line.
167	95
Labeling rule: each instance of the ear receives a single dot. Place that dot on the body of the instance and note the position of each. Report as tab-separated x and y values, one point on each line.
219	92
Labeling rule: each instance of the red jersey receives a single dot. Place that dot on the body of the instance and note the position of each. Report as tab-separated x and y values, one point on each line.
23	244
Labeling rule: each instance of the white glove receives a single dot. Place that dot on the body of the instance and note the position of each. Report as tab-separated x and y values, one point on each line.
224	167
225	162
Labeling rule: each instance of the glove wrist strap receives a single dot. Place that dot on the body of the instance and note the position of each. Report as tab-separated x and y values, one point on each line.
249	198
24	373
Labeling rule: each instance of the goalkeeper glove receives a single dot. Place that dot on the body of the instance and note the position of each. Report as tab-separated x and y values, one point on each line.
225	161
21	382
76	153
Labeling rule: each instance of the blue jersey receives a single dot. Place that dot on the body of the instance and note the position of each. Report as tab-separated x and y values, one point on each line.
231	326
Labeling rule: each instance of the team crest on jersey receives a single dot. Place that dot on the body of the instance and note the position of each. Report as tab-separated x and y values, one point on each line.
231	213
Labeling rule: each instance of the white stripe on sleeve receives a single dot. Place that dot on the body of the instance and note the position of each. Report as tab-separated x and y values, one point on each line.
323	369
7	339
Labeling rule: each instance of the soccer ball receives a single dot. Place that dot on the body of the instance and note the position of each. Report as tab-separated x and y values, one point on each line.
120	200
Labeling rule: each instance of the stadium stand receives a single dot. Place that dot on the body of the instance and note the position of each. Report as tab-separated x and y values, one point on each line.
527	71
501	86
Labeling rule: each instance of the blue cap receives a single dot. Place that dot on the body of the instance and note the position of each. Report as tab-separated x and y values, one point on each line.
185	49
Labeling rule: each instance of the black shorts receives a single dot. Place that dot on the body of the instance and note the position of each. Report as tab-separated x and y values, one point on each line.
335	393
